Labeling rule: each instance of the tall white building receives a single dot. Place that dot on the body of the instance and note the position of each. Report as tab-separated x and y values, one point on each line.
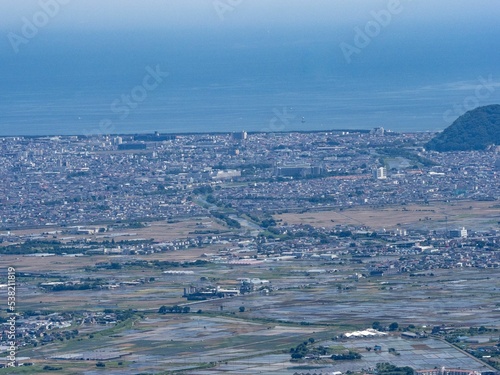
377	131
459	233
380	173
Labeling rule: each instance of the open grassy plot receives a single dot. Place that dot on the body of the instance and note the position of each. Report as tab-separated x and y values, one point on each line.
414	216
159	230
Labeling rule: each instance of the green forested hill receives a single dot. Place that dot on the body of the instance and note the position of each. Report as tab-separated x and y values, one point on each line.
474	130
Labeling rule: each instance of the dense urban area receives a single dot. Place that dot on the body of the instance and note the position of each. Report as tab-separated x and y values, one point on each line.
290	253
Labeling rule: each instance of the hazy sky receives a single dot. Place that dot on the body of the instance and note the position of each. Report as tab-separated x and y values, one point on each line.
113	14
425	27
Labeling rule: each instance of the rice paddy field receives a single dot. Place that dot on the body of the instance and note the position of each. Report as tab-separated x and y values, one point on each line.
217	337
253	333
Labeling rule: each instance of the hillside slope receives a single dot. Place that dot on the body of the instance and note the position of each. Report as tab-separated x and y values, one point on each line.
474	130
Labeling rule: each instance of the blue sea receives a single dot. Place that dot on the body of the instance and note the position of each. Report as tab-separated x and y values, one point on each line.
94	83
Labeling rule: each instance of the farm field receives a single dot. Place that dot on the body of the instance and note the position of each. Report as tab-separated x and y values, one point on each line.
435	215
307	297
